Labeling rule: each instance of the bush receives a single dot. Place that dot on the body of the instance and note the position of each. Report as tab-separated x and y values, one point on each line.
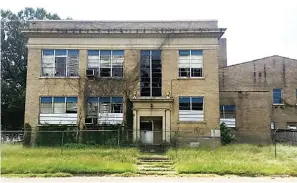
226	136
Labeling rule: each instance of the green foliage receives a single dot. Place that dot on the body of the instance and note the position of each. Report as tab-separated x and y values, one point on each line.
46	160
14	64
238	159
226	136
56	135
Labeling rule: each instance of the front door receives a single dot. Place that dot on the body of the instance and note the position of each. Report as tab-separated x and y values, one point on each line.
146	131
151	129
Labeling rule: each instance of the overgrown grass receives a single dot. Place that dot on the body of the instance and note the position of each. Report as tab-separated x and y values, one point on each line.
84	160
237	159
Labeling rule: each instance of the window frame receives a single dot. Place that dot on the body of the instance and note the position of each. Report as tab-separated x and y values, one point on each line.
191	102
98	102
54	64
151	58
224	111
190	68
281	96
52	102
111	63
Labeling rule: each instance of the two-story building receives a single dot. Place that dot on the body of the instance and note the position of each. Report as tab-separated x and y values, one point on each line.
84	73
162	80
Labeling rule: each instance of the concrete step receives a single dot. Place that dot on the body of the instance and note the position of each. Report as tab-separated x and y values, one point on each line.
157	173
155	169
155	163
154	160
159	166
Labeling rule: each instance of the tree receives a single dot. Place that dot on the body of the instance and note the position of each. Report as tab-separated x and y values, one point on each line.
14	64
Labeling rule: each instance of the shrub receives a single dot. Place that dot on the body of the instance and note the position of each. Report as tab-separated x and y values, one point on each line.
226	136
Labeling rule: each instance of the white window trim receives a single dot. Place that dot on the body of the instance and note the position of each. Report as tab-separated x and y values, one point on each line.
183	77
54	65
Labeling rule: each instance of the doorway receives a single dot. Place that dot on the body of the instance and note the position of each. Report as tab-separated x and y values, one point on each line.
151	129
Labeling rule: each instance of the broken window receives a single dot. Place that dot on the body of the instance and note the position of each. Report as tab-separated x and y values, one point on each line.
60	63
151	73
106	63
190	63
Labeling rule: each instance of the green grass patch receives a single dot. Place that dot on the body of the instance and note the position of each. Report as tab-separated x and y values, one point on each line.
85	160
237	159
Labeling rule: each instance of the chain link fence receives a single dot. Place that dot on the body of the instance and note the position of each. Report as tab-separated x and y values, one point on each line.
108	137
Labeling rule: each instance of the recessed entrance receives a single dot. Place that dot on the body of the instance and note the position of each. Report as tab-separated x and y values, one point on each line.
151	129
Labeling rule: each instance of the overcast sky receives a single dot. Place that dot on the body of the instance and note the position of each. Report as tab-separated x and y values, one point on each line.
255	28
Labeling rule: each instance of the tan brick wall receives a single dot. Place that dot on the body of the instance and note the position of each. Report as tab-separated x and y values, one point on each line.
207	87
253	113
266	74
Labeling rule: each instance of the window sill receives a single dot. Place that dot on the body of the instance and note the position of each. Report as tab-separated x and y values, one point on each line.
60	77
279	104
191	78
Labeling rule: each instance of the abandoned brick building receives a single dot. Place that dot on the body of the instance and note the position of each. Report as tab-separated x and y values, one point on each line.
173	74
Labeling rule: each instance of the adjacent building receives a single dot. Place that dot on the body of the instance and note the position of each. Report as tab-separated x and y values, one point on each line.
162	80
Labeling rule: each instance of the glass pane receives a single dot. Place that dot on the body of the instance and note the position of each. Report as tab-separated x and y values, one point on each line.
184	52
59	108
116	108
60	66
196	52
46	108
72	65
105	72
60	52
117	72
196	72
73	52
48	52
71	107
184	72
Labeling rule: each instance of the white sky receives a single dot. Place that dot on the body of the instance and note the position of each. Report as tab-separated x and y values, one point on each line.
255	28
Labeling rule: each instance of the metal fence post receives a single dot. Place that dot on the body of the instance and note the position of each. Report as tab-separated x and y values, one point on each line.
118	137
62	141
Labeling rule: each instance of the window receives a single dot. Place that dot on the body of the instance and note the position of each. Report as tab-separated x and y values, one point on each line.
191	108
191	103
104	110
151	73
227	111
190	63
106	105
58	105
106	63
277	96
60	63
292	125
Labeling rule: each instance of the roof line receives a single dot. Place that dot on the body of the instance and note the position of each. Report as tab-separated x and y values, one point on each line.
257	60
198	20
